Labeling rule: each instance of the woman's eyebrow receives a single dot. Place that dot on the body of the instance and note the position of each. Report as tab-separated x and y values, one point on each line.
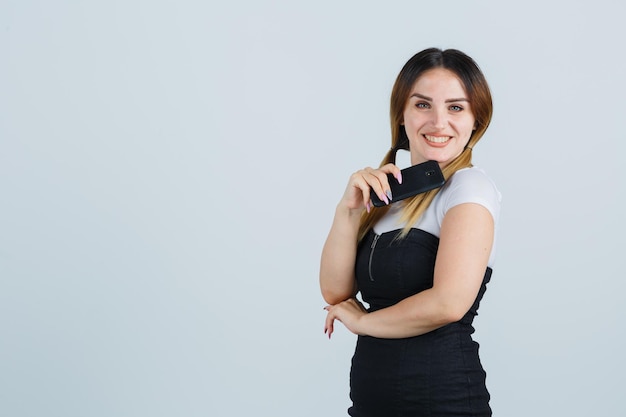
451	100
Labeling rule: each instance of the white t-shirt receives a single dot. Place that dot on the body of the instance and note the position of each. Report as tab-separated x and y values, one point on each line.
467	185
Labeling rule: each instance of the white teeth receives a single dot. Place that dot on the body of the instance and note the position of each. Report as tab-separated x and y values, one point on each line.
437	139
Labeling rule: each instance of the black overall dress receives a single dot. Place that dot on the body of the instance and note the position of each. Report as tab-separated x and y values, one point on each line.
432	375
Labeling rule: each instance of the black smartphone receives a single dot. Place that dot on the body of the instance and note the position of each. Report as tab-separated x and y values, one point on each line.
416	179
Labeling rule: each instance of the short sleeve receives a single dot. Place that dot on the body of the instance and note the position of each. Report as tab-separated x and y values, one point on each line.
470	185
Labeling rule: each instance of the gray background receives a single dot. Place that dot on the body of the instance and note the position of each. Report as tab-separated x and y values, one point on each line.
169	171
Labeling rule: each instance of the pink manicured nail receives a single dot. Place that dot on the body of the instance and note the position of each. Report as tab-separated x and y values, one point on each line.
399	178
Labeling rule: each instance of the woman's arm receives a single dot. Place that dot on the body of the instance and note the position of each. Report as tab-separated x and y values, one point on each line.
337	280
465	242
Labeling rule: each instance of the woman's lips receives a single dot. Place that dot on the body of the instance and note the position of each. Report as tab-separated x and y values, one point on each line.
437	139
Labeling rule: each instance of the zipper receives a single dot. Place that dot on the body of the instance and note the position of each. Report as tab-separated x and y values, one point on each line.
372	247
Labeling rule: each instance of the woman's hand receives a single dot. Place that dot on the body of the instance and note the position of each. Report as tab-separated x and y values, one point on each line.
348	312
357	194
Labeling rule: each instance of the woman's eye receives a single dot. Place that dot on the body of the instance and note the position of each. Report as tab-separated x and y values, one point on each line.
456	108
422	105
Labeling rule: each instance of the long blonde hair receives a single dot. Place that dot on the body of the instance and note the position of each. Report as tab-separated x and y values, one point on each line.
479	96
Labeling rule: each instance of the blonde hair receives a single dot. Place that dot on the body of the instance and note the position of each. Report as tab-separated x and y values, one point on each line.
479	97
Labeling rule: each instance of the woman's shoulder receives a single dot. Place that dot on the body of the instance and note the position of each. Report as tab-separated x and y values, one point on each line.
470	185
472	179
471	174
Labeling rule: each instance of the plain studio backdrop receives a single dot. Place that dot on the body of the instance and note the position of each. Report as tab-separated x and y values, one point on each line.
169	171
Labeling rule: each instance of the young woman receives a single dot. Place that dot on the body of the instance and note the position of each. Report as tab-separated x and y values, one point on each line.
421	264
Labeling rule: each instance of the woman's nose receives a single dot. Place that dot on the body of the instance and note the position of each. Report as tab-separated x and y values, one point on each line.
439	119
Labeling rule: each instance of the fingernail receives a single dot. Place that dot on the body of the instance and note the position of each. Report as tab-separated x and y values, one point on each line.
368	207
399	178
388	192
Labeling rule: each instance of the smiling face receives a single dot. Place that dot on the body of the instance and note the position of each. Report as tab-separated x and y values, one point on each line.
437	117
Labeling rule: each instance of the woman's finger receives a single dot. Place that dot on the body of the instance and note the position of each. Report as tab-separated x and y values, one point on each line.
382	179
377	181
329	325
367	180
394	170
